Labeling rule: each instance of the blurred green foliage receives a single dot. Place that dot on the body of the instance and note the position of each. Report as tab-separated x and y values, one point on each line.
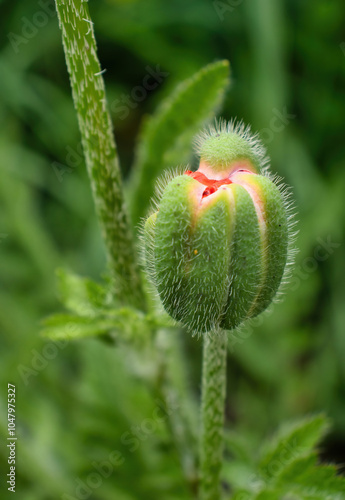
79	402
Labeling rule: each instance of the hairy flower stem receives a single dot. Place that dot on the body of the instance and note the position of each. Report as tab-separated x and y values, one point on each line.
99	147
212	417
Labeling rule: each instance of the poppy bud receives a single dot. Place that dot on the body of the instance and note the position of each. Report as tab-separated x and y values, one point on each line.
217	247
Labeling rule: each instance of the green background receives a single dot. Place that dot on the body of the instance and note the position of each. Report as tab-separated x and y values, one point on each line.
76	401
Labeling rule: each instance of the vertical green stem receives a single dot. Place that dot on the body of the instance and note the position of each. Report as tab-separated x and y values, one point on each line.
99	147
212	417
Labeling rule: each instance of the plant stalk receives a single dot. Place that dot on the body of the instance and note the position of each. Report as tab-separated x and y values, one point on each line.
212	414
99	146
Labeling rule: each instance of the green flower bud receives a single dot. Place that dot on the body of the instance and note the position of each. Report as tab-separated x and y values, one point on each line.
218	246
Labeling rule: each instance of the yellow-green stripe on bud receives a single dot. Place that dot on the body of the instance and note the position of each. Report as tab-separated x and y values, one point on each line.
217	247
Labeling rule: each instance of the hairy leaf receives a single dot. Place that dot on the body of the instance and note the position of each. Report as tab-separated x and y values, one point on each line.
176	121
262	495
124	323
288	468
121	324
292	442
81	296
307	479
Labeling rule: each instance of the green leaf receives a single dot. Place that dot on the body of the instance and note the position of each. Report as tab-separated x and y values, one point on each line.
295	468
92	315
307	479
121	324
267	495
81	296
190	106
294	441
288	468
262	495
303	480
243	495
125	324
69	327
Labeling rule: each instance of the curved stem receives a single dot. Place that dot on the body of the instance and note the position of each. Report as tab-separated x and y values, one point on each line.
212	423
99	147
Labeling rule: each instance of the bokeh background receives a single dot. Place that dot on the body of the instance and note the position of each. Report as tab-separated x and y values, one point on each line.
75	402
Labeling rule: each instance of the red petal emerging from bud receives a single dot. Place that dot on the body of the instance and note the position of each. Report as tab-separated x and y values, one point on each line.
212	185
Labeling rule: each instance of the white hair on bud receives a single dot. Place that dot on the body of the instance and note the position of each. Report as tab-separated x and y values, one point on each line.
146	257
221	126
161	183
286	193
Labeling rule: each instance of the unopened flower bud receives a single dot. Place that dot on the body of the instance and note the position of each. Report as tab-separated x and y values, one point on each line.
218	245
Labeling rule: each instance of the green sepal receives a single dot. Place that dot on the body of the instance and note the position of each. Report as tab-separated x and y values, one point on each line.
207	279
245	270
172	244
276	242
